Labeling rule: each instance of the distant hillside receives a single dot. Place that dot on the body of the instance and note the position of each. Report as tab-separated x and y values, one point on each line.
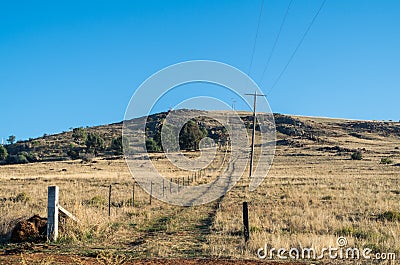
291	130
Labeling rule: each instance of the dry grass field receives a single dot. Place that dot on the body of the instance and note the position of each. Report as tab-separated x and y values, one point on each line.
313	194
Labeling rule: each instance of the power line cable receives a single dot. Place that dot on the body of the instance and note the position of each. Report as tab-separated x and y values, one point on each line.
255	38
276	40
298	46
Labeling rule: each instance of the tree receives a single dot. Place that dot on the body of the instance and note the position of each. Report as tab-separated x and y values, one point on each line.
73	151
190	136
94	143
152	145
11	139
79	135
168	139
3	153
17	159
118	143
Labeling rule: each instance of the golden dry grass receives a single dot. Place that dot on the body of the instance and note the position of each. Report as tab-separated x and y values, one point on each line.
309	198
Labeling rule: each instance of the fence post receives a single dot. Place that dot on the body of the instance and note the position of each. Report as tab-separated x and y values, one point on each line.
52	213
246	222
170	186
151	191
163	187
109	201
133	194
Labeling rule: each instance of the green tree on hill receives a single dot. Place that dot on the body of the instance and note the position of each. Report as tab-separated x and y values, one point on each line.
3	153
152	145
11	139
79	135
94	143
190	136
118	143
168	139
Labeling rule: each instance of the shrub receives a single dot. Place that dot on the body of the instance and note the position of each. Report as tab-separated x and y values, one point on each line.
392	216
354	232
95	201
356	155
3	153
73	152
386	161
22	159
87	158
31	157
21	197
327	198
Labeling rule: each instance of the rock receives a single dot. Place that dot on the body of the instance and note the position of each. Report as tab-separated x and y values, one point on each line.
32	230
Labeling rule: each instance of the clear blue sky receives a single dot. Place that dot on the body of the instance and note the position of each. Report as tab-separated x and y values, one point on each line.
76	63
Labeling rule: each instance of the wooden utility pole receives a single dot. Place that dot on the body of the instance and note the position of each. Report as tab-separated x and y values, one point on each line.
254	129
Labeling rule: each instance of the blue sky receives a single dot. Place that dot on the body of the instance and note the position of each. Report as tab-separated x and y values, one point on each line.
66	64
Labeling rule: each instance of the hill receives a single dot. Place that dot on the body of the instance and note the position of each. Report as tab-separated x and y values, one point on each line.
291	130
314	193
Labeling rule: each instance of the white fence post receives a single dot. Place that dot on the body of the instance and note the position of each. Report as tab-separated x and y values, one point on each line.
52	213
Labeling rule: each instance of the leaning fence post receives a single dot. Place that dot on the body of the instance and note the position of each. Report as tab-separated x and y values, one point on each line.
52	213
246	222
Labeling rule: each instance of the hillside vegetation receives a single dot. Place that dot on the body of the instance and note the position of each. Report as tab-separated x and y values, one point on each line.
329	178
105	140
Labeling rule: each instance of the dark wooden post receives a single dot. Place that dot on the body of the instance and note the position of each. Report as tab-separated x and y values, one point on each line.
151	191
133	195
163	187
246	222
170	186
109	201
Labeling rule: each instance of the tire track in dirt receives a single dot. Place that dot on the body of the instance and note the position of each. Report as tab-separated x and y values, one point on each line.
180	233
